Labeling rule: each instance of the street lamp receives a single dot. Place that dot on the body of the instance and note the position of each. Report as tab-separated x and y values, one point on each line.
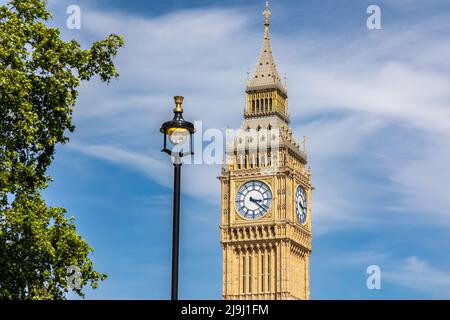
179	132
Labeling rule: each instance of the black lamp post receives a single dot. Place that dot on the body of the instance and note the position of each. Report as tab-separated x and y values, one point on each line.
179	131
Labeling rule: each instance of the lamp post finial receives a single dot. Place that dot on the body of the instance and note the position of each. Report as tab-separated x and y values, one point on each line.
178	104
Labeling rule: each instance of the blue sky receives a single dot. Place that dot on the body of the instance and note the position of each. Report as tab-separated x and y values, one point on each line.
375	106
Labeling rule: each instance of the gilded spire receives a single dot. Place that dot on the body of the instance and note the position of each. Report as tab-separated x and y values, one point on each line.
267	14
266	73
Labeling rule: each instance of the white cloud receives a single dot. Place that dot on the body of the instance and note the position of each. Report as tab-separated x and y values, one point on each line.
197	180
119	156
419	275
409	272
424	183
347	93
343	94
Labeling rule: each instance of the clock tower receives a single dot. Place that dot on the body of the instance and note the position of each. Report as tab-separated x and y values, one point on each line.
266	195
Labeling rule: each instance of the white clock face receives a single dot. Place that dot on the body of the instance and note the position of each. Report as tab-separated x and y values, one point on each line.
253	200
301	205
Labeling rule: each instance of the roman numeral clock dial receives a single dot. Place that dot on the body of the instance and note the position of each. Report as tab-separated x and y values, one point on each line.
253	200
301	205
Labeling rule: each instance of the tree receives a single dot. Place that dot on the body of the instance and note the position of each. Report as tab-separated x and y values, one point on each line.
39	77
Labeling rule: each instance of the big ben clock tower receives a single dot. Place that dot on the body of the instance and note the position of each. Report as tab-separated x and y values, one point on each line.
266	196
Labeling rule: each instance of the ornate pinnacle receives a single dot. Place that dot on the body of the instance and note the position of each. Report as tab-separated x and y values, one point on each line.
267	14
304	144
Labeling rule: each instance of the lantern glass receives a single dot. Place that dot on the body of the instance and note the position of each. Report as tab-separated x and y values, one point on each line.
178	135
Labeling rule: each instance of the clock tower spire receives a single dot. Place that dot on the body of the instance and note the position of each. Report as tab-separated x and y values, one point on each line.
266	78
266	229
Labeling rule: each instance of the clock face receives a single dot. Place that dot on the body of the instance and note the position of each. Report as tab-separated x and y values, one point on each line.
301	205
253	200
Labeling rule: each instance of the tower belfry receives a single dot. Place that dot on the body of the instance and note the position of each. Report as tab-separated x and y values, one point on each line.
266	195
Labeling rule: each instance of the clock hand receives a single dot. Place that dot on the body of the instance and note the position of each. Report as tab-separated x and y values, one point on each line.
301	205
259	204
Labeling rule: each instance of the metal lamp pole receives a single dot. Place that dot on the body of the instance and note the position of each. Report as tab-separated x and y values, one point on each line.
176	228
178	130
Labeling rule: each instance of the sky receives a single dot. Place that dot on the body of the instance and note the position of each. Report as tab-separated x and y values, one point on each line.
374	104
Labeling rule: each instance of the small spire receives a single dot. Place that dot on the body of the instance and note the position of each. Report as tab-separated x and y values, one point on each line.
266	73
304	144
267	14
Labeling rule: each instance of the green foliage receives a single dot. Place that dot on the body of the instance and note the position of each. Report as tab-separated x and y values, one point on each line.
37	244
39	77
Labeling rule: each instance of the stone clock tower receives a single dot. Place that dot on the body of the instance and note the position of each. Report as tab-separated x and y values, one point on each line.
266	196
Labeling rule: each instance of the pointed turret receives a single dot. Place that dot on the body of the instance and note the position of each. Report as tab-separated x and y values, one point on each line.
266	74
266	95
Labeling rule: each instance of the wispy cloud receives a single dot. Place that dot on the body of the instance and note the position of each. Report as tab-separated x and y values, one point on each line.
417	274
409	272
373	81
122	157
375	106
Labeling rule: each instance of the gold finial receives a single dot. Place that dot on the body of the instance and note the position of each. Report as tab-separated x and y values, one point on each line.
178	104
267	14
